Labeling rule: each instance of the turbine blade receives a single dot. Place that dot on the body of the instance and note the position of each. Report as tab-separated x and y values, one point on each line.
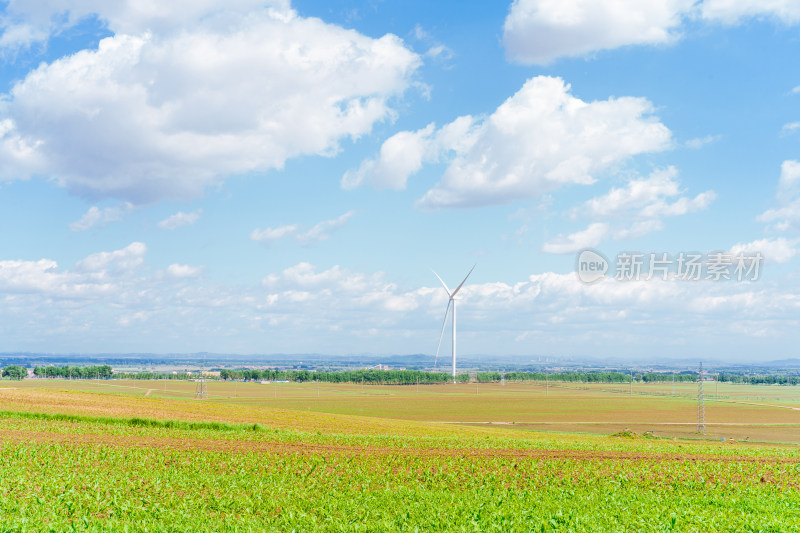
441	335
443	283
465	280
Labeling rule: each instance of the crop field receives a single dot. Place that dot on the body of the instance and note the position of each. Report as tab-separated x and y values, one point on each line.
106	456
756	413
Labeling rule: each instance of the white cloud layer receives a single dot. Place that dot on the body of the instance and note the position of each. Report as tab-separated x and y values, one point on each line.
96	216
631	211
162	112
126	304
302	283
593	235
270	235
124	260
734	11
29	22
180	219
183	271
789	128
320	231
787	214
782	218
647	198
541	31
539	139
777	250
699	142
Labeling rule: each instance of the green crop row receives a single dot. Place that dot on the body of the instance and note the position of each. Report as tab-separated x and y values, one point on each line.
448	438
48	487
132	422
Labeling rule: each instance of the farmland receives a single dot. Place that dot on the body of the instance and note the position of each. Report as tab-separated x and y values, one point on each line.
146	456
761	413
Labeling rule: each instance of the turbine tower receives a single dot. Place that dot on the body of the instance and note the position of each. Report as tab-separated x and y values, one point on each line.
450	303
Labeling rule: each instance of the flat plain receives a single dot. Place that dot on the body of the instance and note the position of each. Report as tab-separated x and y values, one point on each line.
759	413
109	456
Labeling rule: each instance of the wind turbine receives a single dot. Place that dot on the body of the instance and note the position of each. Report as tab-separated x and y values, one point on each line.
450	303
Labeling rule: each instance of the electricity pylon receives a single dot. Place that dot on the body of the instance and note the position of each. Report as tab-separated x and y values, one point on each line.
701	403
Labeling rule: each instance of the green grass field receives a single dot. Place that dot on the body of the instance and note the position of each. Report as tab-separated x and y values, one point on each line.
106	456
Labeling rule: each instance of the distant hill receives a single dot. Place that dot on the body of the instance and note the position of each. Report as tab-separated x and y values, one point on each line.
781	363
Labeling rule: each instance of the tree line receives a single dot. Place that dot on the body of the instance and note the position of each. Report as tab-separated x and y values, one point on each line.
588	377
760	380
392	377
14	372
74	372
157	375
379	377
376	377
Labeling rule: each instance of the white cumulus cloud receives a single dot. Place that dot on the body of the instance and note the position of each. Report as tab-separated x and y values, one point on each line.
787	214
734	11
588	238
631	211
125	259
98	276
778	250
539	139
183	271
180	219
29	22
338	288
154	114
320	231
789	128
699	142
96	216
270	235
306	307
540	31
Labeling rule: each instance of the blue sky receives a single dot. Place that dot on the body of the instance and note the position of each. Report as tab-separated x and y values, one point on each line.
264	177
